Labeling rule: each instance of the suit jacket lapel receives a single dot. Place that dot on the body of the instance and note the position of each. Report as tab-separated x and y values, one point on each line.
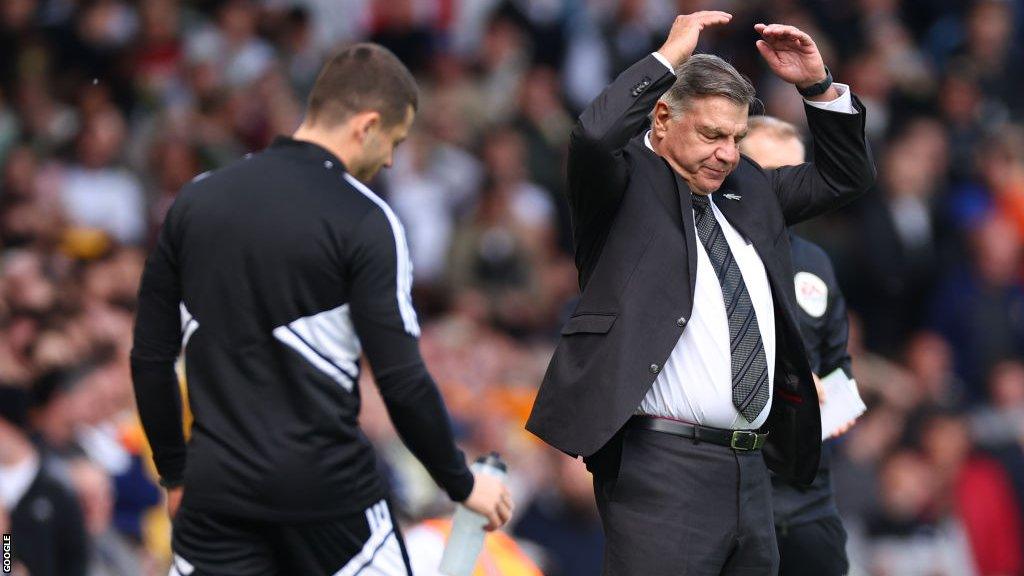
674	193
661	179
689	229
742	217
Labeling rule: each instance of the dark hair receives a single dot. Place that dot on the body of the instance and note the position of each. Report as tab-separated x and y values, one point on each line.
359	78
708	75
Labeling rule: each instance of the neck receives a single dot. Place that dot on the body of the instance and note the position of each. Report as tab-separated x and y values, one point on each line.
657	145
331	140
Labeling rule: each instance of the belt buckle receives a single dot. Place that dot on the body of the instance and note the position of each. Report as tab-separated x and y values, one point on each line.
744	440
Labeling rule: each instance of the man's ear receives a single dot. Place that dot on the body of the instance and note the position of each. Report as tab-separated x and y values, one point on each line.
364	123
660	118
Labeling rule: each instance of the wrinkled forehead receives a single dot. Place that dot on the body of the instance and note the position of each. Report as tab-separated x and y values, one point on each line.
718	114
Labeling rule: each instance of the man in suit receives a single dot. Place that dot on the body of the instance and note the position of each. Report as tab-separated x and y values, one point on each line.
669	392
808	529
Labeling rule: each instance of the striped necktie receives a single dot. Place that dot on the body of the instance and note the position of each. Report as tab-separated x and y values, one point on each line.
749	367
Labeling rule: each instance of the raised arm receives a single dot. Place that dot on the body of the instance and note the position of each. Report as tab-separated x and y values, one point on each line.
842	168
596	169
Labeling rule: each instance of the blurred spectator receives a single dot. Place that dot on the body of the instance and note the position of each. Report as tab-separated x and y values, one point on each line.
302	56
1002	163
158	55
173	162
905	538
976	491
979	308
563	520
431	184
109	553
396	26
930	361
1002	422
96	190
988	43
231	48
46	523
898	239
857	472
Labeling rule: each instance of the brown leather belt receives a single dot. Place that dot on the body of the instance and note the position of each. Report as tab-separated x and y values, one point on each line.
740	440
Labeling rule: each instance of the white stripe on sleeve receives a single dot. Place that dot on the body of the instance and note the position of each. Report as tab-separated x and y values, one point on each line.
403	290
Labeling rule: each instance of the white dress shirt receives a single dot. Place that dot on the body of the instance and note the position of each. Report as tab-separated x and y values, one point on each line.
695	384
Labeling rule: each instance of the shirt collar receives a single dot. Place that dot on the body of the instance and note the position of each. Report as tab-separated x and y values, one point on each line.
647	141
306	150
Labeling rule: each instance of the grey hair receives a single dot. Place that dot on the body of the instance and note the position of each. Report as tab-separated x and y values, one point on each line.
707	75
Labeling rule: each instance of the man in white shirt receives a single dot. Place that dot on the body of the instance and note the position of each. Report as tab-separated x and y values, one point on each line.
683	359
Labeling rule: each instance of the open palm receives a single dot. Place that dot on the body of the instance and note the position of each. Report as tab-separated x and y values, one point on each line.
790	53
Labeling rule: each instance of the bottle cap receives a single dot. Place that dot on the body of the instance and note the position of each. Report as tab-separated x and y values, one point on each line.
493	460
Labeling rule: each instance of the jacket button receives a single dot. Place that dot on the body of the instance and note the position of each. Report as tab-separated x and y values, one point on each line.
655	368
681	322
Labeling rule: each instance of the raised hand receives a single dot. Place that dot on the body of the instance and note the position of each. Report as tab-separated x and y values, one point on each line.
791	54
685	32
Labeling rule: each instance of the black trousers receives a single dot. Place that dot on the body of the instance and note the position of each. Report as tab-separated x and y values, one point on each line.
673	507
813	549
216	545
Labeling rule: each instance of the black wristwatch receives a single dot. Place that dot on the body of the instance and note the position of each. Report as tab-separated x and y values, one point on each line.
819	88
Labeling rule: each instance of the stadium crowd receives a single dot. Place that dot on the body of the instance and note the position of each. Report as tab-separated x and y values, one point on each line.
107	107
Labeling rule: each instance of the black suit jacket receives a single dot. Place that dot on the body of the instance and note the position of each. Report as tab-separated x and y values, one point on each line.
635	246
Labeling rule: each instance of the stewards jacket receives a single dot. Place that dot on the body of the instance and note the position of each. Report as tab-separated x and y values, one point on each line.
635	250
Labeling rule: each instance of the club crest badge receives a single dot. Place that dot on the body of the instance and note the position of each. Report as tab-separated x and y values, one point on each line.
811	293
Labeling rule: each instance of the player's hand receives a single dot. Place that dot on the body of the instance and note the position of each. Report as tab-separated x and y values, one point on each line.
491	499
791	54
685	32
174	500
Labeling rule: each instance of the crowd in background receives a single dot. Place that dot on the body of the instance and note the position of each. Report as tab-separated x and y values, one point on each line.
107	107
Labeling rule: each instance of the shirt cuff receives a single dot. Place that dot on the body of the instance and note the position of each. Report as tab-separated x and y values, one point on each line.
843	104
664	61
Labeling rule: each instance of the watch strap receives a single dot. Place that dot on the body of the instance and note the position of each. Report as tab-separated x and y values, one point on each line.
819	88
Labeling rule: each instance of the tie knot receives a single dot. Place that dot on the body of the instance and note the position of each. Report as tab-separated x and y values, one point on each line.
700	201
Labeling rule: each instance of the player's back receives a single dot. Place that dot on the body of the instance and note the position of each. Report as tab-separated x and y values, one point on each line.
271	354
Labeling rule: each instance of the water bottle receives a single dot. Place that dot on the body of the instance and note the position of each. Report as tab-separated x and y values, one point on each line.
467	535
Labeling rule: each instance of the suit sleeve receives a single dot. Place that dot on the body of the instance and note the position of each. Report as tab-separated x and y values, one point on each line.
841	170
597	171
155	349
386	324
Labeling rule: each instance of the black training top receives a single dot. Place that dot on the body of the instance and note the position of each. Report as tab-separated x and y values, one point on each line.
274	275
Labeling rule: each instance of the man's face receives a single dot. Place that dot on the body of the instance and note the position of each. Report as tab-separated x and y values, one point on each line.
379	147
771	151
701	142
